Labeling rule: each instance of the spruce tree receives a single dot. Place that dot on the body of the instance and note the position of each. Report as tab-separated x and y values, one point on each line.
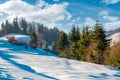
84	43
74	54
2	30
16	26
100	42
30	29
33	39
23	24
74	34
62	42
7	27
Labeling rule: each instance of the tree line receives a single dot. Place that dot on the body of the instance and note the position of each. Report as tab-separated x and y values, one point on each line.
21	26
89	45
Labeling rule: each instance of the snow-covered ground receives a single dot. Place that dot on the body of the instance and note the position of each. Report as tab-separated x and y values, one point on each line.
18	63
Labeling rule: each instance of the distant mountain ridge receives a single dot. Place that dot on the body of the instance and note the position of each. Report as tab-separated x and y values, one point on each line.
111	32
115	39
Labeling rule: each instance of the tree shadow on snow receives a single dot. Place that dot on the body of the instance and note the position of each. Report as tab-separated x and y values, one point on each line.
4	75
8	57
105	76
100	76
117	70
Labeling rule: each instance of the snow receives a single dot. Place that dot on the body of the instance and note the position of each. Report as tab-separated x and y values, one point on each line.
18	37
18	63
115	38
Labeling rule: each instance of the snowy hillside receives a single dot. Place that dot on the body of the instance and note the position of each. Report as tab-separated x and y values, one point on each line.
18	63
115	38
26	38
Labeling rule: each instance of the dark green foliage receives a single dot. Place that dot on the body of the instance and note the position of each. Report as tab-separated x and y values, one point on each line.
66	53
91	45
2	30
7	27
33	39
100	42
74	34
84	43
74	51
62	42
51	35
23	25
16	26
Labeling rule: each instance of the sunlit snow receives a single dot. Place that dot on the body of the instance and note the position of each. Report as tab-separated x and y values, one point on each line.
18	63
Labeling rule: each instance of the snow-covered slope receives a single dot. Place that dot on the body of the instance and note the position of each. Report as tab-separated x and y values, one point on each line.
18	63
26	38
115	38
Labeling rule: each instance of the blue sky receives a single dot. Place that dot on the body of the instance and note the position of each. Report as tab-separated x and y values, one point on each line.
63	13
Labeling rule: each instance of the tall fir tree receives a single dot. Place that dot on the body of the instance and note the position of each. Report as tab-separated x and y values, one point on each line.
3	30
74	34
23	24
101	43
74	54
16	26
62	42
7	27
33	39
84	43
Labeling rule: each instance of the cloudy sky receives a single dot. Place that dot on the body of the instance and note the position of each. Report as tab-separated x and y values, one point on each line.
63	13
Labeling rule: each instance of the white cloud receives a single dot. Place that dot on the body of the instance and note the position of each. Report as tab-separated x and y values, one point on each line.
105	15
110	1
41	4
110	18
42	12
89	22
112	25
102	13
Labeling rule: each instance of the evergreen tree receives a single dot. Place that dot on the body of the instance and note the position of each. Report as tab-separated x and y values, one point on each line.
84	43
16	28
77	33
74	54
23	24
74	34
100	42
2	29
33	39
7	27
62	42
30	28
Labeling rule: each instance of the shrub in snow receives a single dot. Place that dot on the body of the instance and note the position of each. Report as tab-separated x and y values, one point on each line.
12	39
